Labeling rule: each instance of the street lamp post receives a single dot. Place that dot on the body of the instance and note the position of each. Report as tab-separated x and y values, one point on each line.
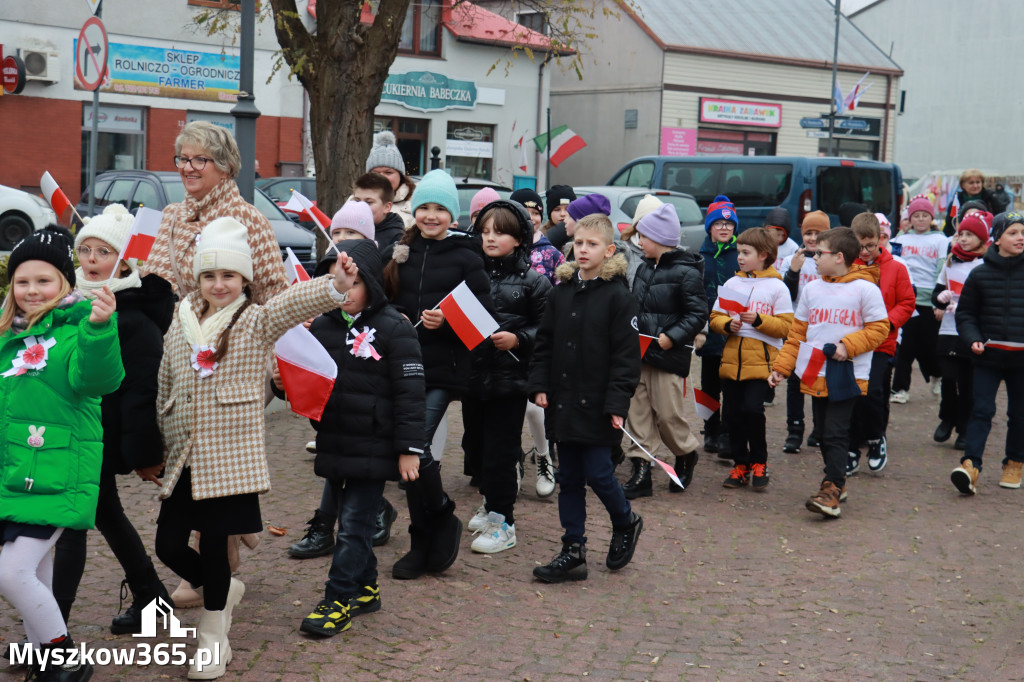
245	111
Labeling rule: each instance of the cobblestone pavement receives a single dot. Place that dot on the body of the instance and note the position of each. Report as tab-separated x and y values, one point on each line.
913	582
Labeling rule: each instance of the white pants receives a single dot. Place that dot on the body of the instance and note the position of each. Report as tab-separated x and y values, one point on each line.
26	581
535	420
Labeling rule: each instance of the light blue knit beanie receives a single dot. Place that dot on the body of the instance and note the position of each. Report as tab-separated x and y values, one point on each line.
437	187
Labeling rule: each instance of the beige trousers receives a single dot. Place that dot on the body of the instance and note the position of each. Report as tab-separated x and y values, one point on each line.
656	413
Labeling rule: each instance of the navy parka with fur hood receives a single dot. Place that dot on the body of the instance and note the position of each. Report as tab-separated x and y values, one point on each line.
376	410
519	294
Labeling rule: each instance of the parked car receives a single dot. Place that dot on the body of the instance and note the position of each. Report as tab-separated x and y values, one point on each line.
21	213
624	201
279	188
467	187
156	189
756	184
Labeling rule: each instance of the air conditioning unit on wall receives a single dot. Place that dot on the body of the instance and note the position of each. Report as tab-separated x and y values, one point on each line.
41	66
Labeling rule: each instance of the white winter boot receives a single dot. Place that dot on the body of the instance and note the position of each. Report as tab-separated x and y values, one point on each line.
213	652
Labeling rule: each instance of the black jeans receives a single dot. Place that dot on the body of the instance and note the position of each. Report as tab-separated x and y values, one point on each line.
354	565
986	384
711	384
833	417
743	409
957	391
918	343
494	428
871	411
120	535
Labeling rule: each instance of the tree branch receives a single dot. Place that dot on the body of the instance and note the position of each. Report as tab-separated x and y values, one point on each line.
297	45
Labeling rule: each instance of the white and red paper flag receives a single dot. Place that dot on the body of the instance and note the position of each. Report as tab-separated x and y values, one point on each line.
809	361
58	200
956	286
705	404
732	301
293	268
143	233
1005	345
467	316
668	469
645	341
307	210
307	370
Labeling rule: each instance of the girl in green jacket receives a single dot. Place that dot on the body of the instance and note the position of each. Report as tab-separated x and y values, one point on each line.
58	354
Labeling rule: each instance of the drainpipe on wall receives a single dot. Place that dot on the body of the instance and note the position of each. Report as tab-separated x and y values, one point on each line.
540	120
885	119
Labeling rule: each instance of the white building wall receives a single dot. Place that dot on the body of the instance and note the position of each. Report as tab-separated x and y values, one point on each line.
964	98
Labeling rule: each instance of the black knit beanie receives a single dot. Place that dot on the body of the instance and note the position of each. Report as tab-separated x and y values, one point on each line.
52	244
779	217
558	195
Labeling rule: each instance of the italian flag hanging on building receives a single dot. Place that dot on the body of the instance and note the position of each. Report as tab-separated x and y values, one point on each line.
564	143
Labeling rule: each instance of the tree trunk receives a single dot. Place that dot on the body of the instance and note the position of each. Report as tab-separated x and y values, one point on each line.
343	68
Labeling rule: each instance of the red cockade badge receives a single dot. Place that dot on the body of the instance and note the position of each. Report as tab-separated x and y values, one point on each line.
33	357
202	360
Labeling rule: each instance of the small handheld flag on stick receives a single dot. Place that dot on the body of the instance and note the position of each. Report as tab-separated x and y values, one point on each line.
956	286
308	371
645	341
705	404
58	200
298	203
1005	345
293	268
732	301
141	238
809	361
467	316
667	468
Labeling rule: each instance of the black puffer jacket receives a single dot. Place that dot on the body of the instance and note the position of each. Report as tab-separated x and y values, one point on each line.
986	196
587	358
131	437
670	297
390	230
991	308
519	294
375	412
431	271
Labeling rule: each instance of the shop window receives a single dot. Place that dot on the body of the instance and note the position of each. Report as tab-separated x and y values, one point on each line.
713	141
421	32
469	150
850	147
411	139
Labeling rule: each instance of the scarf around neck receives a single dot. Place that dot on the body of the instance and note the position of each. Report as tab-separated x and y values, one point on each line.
205	333
20	322
965	256
89	289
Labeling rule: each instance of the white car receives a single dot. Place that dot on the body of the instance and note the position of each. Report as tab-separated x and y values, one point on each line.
21	213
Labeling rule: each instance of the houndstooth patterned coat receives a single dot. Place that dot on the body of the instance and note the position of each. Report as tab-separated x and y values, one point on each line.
215	424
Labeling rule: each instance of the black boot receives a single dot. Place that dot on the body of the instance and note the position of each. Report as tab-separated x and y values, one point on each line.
795	438
143	591
414	563
623	544
446	533
386	515
724	446
710	437
684	470
569	564
318	540
75	671
639	483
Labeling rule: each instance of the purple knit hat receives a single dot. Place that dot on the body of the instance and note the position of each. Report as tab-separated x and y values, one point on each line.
589	203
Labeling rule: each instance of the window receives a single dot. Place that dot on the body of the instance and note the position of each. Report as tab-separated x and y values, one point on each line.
146	195
421	32
840	184
637	175
535	21
120	192
699	179
469	150
756	184
217	4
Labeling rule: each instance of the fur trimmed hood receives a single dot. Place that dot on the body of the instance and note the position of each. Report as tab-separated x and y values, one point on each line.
613	267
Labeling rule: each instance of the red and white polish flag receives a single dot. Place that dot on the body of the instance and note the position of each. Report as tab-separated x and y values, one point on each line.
705	404
143	234
1005	345
956	286
467	316
58	200
809	361
732	301
645	341
307	370
293	268
307	210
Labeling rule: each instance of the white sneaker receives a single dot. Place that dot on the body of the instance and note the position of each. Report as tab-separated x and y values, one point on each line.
899	397
937	386
311	447
495	536
545	475
479	520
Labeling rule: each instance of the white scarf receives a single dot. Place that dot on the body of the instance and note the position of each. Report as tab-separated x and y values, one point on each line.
205	333
89	289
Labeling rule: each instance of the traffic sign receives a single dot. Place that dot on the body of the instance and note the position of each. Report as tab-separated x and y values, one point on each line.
91	54
817	133
851	124
813	123
93	5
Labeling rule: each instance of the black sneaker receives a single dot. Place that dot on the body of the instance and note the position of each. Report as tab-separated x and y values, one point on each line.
961	442
942	432
814	440
852	462
318	540
724	447
328	619
878	456
367	601
759	477
794	438
623	544
569	564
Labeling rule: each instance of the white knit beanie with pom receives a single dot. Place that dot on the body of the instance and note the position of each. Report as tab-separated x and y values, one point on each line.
112	226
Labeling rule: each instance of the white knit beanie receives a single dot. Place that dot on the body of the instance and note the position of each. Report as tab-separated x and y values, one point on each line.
646	205
385	153
223	245
112	226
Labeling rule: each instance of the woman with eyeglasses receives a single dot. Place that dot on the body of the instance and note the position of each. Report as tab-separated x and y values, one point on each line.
208	161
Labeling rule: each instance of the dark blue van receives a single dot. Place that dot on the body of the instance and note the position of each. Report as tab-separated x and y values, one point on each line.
756	184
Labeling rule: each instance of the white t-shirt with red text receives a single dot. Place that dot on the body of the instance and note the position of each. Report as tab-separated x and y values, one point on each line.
768	296
808	272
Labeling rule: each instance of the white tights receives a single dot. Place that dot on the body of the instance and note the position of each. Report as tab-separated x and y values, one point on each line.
26	580
535	420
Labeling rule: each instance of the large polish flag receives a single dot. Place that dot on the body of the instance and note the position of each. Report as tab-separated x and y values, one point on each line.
732	301
809	361
705	404
293	268
307	370
58	200
143	233
467	316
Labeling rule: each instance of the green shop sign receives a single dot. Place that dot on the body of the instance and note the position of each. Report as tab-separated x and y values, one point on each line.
427	91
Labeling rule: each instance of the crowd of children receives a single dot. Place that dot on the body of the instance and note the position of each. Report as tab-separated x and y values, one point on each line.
594	340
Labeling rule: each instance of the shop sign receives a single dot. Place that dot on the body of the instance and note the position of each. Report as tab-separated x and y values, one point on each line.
740	113
159	72
479	150
12	69
114	118
678	141
428	91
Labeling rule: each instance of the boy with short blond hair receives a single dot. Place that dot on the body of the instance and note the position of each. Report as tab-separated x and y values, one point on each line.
843	316
585	367
753	339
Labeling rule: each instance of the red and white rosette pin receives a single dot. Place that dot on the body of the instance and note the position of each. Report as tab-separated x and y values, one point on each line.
32	358
202	360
